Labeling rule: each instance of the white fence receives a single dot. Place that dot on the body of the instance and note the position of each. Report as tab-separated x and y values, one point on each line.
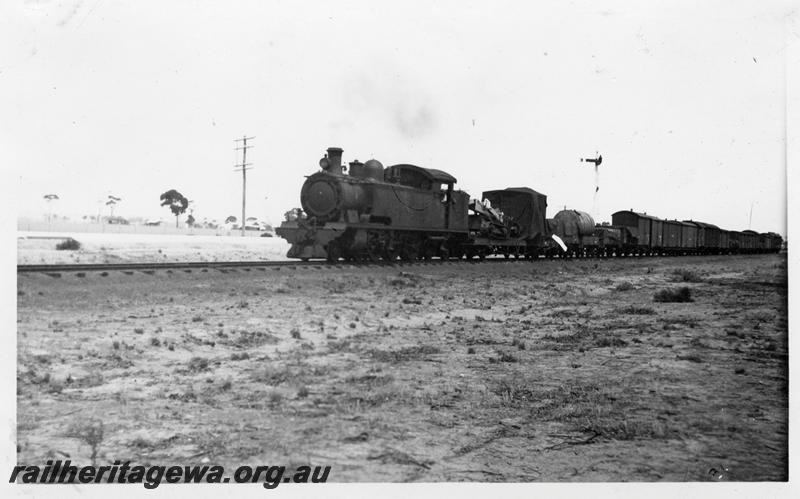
26	225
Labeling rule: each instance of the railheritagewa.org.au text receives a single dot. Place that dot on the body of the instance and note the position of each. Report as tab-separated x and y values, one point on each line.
58	471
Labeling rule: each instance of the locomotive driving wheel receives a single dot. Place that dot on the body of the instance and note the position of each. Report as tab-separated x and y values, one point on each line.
428	251
334	252
391	252
373	253
374	249
409	252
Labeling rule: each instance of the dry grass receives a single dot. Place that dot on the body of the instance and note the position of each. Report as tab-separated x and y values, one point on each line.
636	310
677	295
574	400
594	408
249	339
624	286
90	432
515	391
417	352
504	357
68	244
54	385
197	364
691	358
369	381
273	376
518	343
685	275
627	429
691	322
405	280
610	341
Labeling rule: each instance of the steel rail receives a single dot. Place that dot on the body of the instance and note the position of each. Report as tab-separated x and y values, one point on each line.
98	267
94	267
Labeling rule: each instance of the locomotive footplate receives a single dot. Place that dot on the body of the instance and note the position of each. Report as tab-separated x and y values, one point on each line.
309	241
341	239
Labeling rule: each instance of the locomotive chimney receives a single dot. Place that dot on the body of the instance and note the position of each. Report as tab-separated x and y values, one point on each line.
335	160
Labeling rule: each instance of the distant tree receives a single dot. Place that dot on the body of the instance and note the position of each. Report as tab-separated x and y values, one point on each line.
190	221
230	220
112	201
50	198
176	202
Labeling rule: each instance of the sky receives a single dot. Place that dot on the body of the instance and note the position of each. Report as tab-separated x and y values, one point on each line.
686	101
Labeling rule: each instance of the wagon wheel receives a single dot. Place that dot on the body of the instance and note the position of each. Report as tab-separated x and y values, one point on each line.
334	252
428	252
373	256
373	253
408	253
390	253
374	248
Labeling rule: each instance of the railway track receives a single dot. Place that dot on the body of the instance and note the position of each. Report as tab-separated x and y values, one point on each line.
203	266
82	268
100	267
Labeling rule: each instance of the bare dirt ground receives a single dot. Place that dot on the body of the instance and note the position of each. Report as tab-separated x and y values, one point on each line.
544	371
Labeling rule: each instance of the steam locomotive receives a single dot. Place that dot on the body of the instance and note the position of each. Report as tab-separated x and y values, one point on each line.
371	212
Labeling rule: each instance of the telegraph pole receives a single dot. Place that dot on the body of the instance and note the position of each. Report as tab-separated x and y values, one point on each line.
243	167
